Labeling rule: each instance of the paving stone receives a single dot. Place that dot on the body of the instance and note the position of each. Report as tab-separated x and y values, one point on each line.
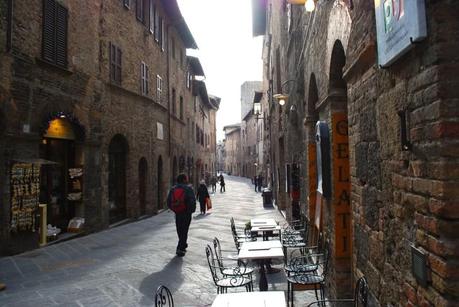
123	266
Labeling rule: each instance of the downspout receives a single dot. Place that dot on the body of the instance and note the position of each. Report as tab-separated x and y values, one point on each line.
9	29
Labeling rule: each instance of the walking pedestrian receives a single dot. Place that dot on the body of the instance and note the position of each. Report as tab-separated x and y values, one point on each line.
213	182
222	184
202	196
260	182
181	200
255	182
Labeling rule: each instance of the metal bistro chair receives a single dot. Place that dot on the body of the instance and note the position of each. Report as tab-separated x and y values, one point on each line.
238	240
163	297
240	269
360	296
223	282
315	278
306	260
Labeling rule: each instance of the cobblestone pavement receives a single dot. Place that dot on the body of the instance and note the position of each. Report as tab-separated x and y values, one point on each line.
123	266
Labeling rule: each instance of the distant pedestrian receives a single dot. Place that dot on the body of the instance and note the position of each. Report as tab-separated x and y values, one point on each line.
222	184
181	200
255	182
213	182
202	196
260	182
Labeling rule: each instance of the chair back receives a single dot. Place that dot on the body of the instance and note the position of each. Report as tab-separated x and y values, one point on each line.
361	292
163	297
213	264
218	251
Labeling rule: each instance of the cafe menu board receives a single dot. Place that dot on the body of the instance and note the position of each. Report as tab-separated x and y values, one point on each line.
25	193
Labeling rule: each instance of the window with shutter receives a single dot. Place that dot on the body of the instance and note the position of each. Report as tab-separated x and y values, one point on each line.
139	10
115	64
152	17
174	107
159	88
181	107
163	35
54	41
160	32
156	24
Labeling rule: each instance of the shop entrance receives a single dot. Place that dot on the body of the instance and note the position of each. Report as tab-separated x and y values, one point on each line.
60	186
160	183
143	167
117	156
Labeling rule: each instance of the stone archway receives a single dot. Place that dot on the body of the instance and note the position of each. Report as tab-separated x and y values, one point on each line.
340	209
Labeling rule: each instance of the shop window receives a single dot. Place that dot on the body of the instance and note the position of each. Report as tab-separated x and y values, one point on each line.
55	23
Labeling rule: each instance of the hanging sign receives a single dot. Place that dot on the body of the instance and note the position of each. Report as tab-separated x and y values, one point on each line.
399	23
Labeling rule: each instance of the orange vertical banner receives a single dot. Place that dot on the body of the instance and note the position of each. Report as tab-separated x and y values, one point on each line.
341	185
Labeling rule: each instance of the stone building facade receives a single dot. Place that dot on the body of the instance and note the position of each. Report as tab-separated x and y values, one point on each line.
392	143
233	155
92	108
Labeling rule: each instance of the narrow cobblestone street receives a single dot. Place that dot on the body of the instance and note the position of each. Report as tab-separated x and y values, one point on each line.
123	266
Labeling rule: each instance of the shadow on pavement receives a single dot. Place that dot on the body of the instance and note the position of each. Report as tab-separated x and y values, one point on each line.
170	276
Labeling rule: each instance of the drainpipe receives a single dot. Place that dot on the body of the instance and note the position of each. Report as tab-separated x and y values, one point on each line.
9	29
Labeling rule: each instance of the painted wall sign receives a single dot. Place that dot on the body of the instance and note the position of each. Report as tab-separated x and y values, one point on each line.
399	23
341	185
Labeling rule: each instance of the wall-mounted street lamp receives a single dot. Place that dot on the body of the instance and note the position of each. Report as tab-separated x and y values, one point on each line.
281	97
308	4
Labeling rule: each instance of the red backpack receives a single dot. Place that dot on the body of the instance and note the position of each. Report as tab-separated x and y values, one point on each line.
178	204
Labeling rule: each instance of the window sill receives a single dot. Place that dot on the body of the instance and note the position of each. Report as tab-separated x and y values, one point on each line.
42	62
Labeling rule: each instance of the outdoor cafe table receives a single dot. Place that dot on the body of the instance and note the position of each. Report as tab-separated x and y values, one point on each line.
261	251
253	299
266	230
263	222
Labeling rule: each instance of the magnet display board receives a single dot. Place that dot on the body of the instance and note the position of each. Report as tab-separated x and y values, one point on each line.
399	24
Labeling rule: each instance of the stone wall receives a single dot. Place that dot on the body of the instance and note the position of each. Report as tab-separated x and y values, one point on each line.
399	198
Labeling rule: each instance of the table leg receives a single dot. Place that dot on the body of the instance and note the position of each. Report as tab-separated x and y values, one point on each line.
263	284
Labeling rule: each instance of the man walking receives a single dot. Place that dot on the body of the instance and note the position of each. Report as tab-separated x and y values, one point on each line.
255	182
182	201
213	182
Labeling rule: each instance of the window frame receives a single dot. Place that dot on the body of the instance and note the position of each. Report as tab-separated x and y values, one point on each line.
115	64
144	79
54	48
159	88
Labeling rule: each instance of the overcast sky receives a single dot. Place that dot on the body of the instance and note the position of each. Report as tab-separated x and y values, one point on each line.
227	51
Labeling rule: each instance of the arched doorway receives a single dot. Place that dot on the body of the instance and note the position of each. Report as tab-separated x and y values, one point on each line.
143	171
117	164
340	215
159	178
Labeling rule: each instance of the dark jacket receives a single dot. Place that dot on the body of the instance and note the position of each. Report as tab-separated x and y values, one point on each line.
202	194
190	200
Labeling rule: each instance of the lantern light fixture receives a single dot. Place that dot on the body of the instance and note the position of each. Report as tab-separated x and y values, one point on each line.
310	5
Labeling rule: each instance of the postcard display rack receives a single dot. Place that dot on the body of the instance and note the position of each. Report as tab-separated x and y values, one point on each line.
25	193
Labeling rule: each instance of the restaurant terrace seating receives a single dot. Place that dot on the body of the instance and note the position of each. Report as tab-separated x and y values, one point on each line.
239	269
222	281
163	297
314	278
360	296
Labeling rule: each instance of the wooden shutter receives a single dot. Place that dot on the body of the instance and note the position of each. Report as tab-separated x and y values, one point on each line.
118	65
152	17
49	26
147	80
61	35
139	9
156	24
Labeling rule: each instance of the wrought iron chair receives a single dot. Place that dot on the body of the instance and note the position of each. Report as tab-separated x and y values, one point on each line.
238	239
360	296
240	269
223	282
163	297
305	259
314	278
